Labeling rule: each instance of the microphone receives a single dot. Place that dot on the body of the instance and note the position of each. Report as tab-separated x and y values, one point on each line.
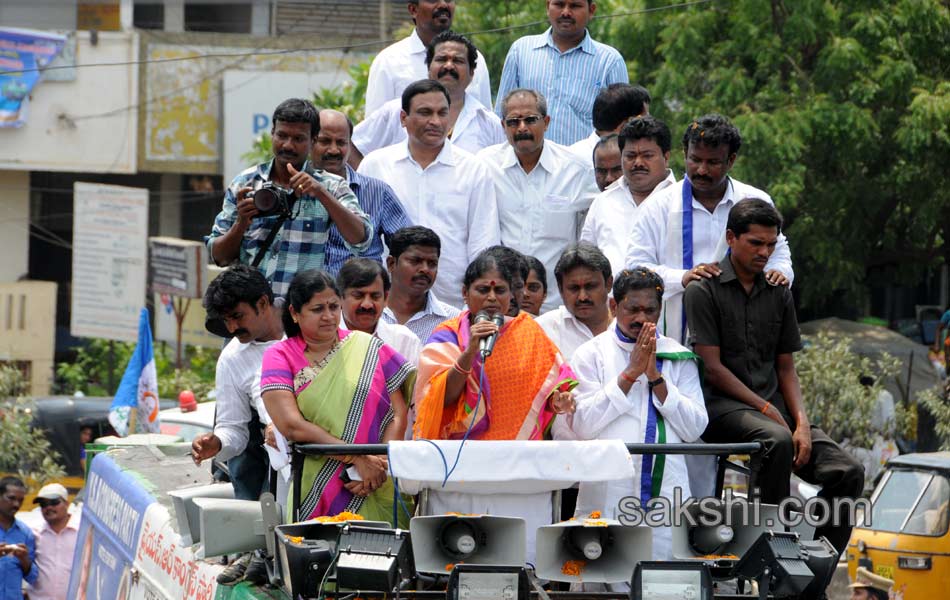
487	344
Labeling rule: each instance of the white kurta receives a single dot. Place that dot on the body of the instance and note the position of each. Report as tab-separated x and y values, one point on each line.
454	196
605	412
475	128
612	215
657	243
541	212
398	65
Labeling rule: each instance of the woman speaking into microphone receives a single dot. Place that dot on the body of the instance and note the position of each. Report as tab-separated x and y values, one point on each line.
513	394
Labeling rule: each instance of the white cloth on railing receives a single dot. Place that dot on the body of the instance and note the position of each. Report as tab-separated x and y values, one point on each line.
510	467
505	478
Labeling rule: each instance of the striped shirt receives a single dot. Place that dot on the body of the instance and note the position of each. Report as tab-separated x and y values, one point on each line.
570	80
301	242
386	214
423	322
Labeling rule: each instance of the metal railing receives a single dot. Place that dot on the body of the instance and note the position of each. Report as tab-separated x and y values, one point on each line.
723	451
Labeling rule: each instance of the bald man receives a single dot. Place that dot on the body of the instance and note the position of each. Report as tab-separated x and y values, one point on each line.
330	153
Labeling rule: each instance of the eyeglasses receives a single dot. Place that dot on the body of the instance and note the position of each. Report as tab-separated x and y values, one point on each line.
528	121
44	503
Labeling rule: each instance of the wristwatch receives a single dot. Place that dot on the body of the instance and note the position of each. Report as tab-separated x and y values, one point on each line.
658	381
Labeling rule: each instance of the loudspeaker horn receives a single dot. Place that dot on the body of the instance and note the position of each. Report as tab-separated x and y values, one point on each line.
439	542
186	513
591	551
720	529
238	526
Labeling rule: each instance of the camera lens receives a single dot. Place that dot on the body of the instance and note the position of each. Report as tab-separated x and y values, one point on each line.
265	200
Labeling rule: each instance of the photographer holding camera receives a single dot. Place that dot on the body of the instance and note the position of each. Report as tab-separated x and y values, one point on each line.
275	216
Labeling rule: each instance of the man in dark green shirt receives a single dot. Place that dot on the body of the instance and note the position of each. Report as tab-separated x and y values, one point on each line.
746	332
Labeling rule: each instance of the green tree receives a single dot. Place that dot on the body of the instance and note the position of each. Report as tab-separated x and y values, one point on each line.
835	400
88	372
844	107
24	450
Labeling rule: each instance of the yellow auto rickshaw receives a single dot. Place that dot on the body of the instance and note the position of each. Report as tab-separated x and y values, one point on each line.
906	538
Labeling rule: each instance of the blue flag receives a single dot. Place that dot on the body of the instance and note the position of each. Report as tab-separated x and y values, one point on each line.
135	406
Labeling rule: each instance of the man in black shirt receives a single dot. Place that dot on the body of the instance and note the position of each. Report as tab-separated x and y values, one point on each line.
746	332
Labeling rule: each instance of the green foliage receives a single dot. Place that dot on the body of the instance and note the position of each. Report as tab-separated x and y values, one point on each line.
349	98
844	109
23	449
89	371
834	397
261	150
936	401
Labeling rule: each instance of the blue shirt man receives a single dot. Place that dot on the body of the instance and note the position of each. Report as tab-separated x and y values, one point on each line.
17	544
386	215
566	65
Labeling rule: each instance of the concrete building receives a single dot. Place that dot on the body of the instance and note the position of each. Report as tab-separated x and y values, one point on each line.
150	95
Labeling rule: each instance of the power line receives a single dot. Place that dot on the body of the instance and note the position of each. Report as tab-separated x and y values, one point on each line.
342	47
345	48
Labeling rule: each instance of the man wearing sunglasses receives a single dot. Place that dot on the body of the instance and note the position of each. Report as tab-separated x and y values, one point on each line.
542	187
55	542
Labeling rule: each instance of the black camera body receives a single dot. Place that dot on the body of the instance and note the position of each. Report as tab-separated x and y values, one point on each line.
273	200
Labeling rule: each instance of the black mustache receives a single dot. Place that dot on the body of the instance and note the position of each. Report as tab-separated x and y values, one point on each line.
442	12
523	136
444	72
240	332
366	311
329	157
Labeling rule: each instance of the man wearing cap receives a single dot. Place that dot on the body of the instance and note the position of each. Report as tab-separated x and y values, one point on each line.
868	586
17	543
55	542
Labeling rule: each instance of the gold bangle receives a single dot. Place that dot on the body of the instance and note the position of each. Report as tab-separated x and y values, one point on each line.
456	366
766	407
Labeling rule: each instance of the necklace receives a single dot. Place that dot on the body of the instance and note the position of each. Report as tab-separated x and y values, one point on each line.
326	358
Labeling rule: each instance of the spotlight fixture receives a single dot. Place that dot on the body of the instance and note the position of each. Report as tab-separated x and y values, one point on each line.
656	580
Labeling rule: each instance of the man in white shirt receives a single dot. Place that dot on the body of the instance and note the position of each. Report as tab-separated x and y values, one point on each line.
440	186
640	387
684	239
450	59
413	264
613	106
398	65
365	286
543	189
607	167
240	303
55	543
644	157
584	278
